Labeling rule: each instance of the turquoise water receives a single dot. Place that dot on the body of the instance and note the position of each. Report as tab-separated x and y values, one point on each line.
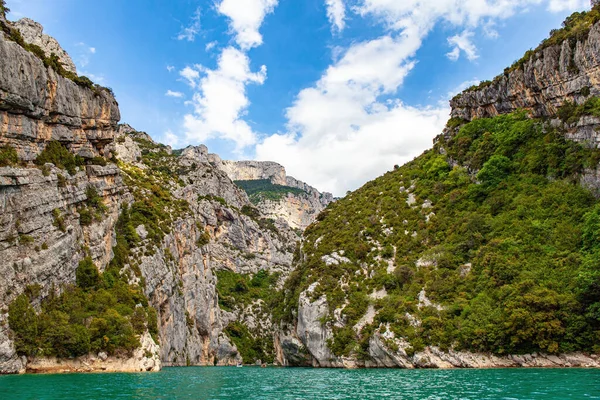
297	383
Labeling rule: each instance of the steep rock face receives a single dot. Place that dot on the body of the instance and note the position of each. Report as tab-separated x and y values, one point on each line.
30	206
33	33
253	170
181	275
38	105
564	72
42	238
299	210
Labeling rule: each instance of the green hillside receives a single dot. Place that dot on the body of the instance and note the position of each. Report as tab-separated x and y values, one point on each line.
493	225
263	189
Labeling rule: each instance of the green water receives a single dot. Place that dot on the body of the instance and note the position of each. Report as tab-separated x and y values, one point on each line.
296	383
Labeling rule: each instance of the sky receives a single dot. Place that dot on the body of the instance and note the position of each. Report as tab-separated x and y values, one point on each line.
337	91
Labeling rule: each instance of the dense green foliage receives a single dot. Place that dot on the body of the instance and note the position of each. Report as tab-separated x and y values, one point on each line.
238	291
571	112
575	28
57	154
251	347
263	189
101	313
506	242
8	156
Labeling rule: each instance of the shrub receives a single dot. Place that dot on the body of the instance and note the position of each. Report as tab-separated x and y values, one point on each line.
262	189
88	277
25	239
8	156
203	239
59	220
58	155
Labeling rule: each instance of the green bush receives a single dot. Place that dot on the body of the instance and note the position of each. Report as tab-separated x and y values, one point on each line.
88	277
262	189
101	313
8	156
58	155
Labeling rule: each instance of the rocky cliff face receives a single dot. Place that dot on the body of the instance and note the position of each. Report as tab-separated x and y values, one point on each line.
200	230
33	33
540	83
38	105
299	210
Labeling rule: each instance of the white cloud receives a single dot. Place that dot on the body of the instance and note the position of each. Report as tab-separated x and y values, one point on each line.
171	93
211	45
191	75
83	54
169	138
220	101
170	68
562	5
462	42
336	12
347	128
340	134
190	32
246	17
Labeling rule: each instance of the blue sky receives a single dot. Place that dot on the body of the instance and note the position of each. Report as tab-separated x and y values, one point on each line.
338	91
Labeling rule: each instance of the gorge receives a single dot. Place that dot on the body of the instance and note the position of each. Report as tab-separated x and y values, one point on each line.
118	253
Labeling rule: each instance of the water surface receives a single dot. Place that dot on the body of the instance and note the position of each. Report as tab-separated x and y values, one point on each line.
298	383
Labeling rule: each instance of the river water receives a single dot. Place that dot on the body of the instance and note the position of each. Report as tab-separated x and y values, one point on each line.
299	383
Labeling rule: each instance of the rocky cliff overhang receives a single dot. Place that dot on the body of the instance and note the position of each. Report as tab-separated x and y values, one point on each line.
38	105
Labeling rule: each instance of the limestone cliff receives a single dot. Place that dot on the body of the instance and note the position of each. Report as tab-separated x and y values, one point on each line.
37	105
33	32
298	209
194	224
558	71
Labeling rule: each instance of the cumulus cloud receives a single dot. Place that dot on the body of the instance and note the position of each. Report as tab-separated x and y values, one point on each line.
220	101
462	42
211	45
336	12
171	93
562	5
190	32
245	19
340	134
170	68
170	138
191	75
347	128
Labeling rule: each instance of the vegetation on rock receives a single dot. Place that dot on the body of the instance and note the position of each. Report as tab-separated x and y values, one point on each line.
57	154
575	28
8	156
262	189
102	312
488	241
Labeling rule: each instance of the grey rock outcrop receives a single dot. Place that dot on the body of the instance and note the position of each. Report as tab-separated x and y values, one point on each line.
33	33
38	105
299	210
564	72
